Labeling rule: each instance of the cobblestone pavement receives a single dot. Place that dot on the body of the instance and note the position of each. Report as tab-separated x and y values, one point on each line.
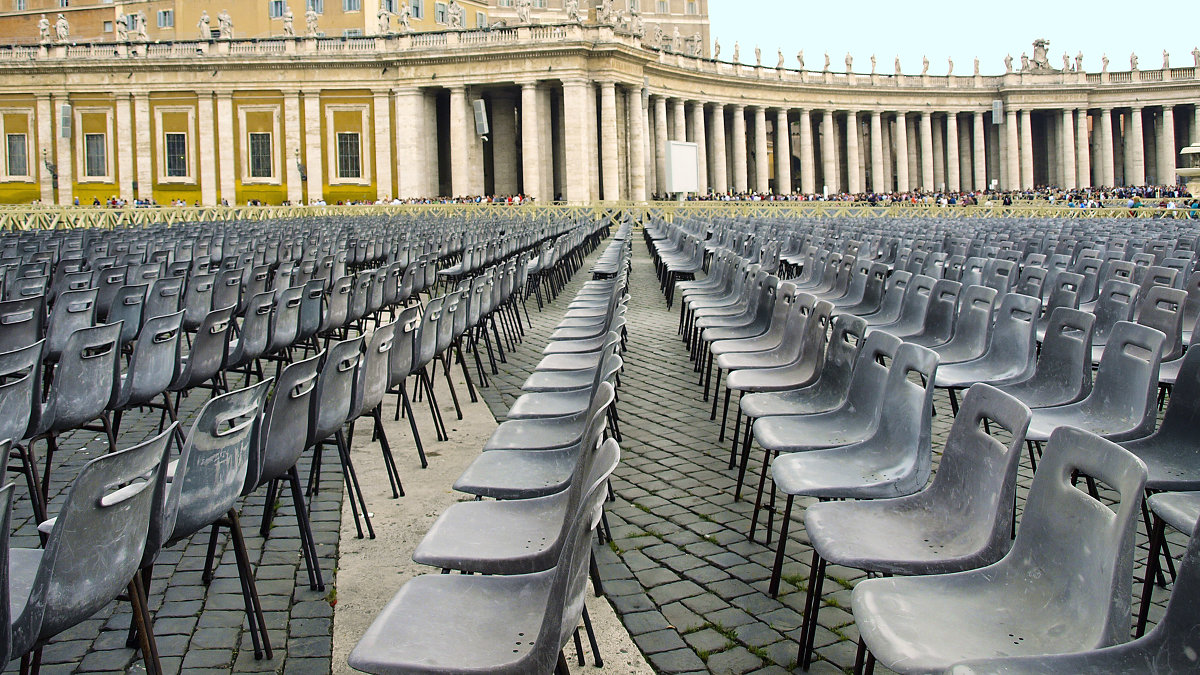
689	585
202	630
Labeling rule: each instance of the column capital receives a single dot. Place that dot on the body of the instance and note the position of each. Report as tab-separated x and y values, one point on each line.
738	106
529	84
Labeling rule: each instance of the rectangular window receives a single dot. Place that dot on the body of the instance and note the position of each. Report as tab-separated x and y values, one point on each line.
261	161
418	9
19	5
176	155
95	155
351	5
635	5
692	7
439	12
348	158
506	3
166	18
317	6
480	20
108	26
352	32
389	5
540	4
18	160
62	3
663	7
275	8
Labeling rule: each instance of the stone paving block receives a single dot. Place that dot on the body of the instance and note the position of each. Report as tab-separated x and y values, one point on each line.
676	661
733	662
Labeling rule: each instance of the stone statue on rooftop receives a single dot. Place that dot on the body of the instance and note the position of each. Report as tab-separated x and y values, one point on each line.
897	64
873	70
310	22
737	52
1196	55
949	66
289	22
716	49
404	16
1024	62
826	68
1008	63
1041	55
456	15
122	27
1133	61
385	20
1079	62
225	25
757	56
637	25
573	11
204	26
924	65
976	72
43	25
1166	60
849	63
1104	63
780	63
800	58
524	11
62	29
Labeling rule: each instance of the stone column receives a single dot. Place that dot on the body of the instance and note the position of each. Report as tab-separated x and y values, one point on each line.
637	145
808	160
531	156
382	118
660	144
979	141
504	143
877	175
927	151
1166	147
1026	180
226	148
698	136
740	168
939	155
125	144
45	146
762	166
291	144
679	112
64	156
206	142
314	146
145	163
412	163
1135	146
720	163
592	111
460	154
610	187
1067	151
914	153
889	172
853	156
1107	167
953	174
578	180
1083	159
965	157
829	167
902	178
783	152
1012	173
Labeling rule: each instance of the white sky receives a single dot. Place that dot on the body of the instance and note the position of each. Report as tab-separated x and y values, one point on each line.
962	29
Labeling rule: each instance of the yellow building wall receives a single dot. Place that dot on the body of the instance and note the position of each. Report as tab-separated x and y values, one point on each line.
258	120
86	189
346	121
174	122
20	191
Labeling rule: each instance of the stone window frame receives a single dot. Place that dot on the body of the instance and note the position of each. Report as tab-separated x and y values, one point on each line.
276	177
160	164
365	136
81	148
30	175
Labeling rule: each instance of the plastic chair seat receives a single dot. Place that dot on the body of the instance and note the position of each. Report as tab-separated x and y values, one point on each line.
802	401
558	380
538	405
465	537
570	361
468	624
1180	510
870	470
537	434
518	474
795	433
900	541
1046	420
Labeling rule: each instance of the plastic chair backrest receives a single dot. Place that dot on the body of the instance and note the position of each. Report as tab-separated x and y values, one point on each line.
404	345
255	329
163	297
154	364
20	390
1115	303
81	572
285	318
73	311
311	303
445	333
427	337
197	299
214	461
1083	545
335	389
6	501
85	379
338	308
373	371
1127	378
208	350
1161	308
21	322
284	434
227	289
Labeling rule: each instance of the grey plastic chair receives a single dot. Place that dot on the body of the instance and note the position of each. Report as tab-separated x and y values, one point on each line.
83	388
152	368
1180	510
164	297
370	386
1063	587
73	311
1063	293
20	393
283	438
1064	368
22	322
207	482
78	573
517	624
128	307
201	366
6	502
972	326
895	460
524	474
1169	648
1116	303
937	326
1121	405
962	520
1161	308
197	300
1011	352
253	335
400	368
912	312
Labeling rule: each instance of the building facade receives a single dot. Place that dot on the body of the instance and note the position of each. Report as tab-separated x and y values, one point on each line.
573	111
